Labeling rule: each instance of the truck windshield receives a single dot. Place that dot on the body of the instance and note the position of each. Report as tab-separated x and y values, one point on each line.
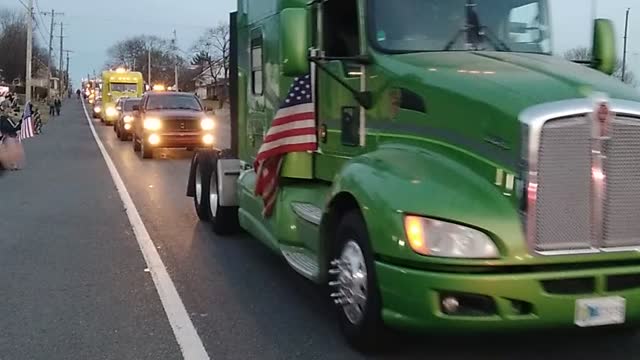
461	25
122	87
175	102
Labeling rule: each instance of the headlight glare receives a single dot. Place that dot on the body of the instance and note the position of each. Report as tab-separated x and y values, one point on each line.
152	124
442	239
111	111
128	119
207	124
97	109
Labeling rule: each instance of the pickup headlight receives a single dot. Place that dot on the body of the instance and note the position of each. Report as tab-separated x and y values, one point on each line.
207	124
128	118
442	239
111	111
152	124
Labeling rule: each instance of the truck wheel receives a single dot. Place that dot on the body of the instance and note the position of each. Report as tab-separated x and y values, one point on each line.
354	285
224	219
136	144
118	133
146	150
201	199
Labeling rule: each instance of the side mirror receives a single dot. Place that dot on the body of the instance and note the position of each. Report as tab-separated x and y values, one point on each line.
295	41
136	108
604	46
119	108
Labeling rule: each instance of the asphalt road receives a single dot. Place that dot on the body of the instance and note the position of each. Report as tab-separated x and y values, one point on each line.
73	283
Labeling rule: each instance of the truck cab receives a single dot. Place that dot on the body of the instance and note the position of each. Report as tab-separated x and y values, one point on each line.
118	84
463	178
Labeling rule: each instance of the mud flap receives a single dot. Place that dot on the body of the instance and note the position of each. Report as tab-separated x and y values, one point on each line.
191	183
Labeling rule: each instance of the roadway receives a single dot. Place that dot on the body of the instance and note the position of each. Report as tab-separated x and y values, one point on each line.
74	283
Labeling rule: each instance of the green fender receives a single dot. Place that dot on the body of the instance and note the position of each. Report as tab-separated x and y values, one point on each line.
398	179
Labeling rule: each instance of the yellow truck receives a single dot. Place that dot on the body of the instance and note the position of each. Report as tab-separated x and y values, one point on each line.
115	85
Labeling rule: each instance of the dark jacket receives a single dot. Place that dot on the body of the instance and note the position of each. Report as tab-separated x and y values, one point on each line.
9	127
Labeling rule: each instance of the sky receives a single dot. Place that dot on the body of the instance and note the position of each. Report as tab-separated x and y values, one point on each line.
91	27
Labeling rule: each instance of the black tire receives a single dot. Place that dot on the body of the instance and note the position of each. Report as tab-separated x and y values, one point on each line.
202	174
367	334
136	143
118	133
224	219
146	150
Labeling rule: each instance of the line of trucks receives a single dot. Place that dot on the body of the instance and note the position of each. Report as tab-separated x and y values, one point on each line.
465	179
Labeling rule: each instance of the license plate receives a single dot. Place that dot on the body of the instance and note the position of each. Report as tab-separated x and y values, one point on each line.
600	311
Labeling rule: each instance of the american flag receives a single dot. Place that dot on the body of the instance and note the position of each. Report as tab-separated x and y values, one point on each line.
292	130
26	129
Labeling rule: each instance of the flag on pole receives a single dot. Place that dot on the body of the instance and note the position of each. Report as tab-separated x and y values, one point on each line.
26	129
292	130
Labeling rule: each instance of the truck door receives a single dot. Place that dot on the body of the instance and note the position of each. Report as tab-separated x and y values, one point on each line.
339	114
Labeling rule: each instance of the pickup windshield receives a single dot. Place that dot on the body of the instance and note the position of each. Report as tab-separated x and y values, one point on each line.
173	102
461	25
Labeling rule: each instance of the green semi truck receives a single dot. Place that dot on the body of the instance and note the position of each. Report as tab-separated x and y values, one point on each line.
462	178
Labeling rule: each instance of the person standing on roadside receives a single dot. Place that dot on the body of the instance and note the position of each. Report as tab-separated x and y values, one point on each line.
52	107
11	149
58	105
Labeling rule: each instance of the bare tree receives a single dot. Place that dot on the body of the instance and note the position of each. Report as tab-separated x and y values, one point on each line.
213	50
584	54
133	53
13	46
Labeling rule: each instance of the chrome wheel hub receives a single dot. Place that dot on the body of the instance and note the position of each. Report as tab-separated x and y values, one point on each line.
350	285
198	184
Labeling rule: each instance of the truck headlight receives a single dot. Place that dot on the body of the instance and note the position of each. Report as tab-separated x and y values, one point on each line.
111	111
207	124
128	118
442	239
208	139
97	109
152	124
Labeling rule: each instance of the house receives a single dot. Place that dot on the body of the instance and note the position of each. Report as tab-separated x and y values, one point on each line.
206	87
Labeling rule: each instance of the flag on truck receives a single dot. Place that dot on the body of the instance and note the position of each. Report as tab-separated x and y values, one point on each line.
293	130
26	129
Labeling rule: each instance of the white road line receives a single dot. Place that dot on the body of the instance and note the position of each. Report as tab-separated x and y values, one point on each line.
183	329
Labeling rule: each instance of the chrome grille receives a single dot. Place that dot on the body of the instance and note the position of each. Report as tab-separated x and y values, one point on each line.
621	215
563	205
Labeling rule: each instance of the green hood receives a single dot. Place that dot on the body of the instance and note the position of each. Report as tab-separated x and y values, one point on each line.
477	96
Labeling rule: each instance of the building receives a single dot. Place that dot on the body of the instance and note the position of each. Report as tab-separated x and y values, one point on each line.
207	88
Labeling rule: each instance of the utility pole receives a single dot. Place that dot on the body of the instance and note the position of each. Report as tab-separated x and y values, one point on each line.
67	72
624	52
61	55
149	66
29	51
175	48
53	16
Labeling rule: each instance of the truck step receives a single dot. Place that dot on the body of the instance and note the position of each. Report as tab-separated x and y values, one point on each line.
302	262
307	212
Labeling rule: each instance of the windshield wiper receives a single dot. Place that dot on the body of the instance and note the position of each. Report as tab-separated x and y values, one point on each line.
475	31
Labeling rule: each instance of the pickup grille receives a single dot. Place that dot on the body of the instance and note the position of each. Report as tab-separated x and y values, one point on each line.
178	125
568	214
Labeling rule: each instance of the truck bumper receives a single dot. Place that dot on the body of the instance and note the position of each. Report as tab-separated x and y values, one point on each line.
412	299
181	140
